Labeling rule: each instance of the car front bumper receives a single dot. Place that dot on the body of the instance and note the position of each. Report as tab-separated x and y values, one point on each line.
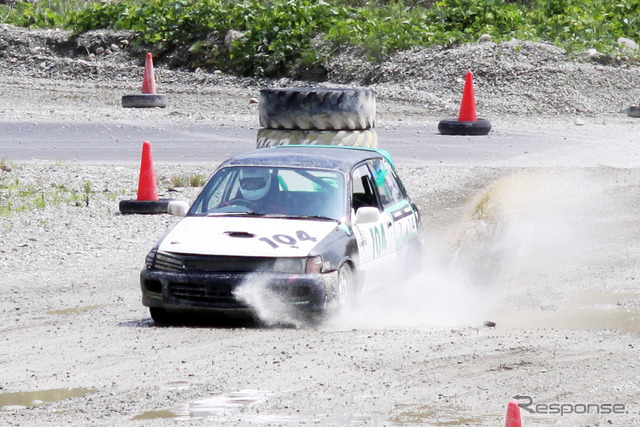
214	291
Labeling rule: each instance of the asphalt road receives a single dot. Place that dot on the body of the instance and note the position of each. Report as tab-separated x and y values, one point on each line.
552	142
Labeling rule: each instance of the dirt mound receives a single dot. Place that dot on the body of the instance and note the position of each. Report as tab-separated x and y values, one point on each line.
515	77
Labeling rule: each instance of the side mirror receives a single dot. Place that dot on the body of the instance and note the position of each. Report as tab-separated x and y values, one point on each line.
367	214
178	208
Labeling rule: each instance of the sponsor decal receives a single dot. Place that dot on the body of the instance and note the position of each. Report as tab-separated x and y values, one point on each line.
278	240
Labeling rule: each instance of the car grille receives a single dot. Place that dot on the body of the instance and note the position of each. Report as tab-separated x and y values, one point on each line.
209	293
211	263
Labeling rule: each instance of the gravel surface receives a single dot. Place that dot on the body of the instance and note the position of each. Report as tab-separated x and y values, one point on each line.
546	253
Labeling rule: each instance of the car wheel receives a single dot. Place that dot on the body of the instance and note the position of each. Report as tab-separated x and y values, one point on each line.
355	138
456	127
346	291
317	108
144	100
160	316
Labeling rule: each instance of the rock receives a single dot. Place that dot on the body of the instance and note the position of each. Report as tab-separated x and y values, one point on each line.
232	36
593	54
626	43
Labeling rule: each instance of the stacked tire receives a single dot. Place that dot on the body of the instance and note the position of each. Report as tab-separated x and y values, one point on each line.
317	116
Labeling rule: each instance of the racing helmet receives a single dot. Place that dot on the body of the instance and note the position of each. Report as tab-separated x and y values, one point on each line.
254	183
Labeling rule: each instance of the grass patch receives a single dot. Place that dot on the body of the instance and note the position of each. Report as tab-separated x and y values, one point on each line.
194	180
295	37
17	196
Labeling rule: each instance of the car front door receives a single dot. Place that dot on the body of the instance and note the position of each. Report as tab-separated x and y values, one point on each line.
376	239
395	202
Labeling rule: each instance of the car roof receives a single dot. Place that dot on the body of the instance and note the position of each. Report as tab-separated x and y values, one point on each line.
333	157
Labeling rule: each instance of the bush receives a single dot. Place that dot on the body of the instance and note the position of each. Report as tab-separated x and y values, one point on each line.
294	37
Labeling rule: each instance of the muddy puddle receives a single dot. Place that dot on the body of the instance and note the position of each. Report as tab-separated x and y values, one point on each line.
216	408
29	399
240	405
74	310
588	311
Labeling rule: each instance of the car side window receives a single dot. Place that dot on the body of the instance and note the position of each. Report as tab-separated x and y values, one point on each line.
363	193
217	191
385	179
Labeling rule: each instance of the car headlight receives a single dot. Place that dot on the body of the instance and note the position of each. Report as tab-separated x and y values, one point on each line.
314	265
150	259
311	265
164	261
289	265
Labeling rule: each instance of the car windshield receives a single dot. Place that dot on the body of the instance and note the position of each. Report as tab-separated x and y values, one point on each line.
273	191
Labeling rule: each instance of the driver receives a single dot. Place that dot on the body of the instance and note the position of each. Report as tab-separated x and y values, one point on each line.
255	183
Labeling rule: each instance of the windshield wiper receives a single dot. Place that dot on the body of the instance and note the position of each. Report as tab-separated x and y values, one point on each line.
236	214
318	217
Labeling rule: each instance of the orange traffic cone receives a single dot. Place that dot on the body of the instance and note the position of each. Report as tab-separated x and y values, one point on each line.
468	106
148	98
513	415
149	79
468	122
147	186
147	202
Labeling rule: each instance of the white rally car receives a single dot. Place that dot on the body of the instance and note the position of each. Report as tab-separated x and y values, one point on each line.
312	223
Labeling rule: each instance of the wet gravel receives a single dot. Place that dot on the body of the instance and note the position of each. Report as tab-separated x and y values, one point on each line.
547	254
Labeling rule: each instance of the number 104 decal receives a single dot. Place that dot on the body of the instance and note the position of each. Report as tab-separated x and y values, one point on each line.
379	239
283	239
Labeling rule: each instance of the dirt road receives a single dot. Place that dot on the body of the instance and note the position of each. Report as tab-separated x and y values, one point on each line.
544	243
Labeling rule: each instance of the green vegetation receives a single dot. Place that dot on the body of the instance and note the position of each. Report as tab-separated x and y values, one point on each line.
195	180
294	37
18	196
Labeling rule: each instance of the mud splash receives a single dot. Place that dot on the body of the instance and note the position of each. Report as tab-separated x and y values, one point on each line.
518	231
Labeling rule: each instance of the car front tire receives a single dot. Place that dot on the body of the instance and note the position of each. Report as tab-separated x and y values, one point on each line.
346	290
160	316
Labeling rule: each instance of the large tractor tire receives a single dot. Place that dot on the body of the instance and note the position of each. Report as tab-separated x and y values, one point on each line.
317	109
355	138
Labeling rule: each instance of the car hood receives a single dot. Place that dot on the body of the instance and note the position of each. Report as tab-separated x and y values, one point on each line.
246	236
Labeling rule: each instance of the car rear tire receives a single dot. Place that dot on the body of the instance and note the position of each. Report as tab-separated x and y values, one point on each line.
356	138
317	108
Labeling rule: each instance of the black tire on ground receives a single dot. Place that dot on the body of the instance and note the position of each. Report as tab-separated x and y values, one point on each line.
317	108
161	316
144	206
352	138
456	127
346	289
144	100
633	111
